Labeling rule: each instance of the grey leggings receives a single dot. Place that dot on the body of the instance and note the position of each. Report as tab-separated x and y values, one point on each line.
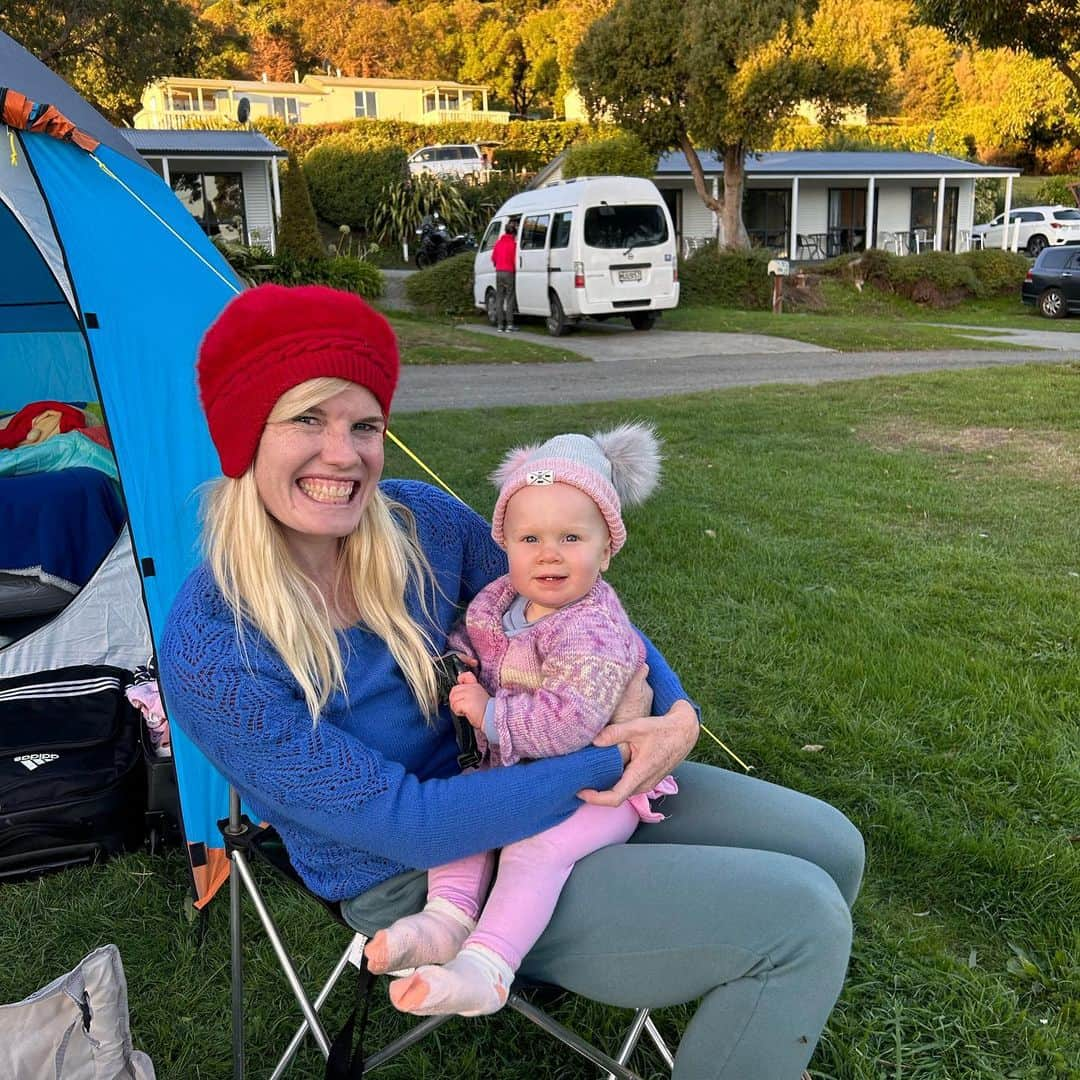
740	898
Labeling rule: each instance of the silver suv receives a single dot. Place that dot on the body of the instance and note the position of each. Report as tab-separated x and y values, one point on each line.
456	159
1035	228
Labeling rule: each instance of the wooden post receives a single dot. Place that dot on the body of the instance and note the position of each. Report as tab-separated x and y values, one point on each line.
777	294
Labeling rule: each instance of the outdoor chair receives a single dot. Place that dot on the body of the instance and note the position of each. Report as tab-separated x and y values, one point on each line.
811	244
923	239
246	842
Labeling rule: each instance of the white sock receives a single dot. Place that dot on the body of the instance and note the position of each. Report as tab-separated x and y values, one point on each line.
476	982
431	936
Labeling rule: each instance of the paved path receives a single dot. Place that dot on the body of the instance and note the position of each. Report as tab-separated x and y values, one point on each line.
467	386
1068	340
607	342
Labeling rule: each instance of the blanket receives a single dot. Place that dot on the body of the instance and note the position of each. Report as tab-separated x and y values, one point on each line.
71	450
58	526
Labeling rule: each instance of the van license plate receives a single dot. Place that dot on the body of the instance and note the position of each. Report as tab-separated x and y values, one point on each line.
629	275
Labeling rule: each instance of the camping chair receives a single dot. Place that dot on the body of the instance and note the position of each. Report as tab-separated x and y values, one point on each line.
243	840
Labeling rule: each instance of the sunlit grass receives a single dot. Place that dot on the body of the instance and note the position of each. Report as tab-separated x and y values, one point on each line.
887	569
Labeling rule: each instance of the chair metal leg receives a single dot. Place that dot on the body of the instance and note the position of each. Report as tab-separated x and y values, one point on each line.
236	949
314	1024
658	1042
630	1040
413	1035
570	1038
298	1038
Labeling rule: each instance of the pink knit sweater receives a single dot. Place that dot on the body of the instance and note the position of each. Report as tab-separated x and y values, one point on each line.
556	684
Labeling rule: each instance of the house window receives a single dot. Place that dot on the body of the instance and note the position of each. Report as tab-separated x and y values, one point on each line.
767	216
365	103
924	212
430	101
284	108
184	100
847	220
216	201
449	99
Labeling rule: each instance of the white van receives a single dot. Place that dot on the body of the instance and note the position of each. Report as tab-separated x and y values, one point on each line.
596	246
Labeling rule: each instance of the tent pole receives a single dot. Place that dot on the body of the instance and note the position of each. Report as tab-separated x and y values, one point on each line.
235	945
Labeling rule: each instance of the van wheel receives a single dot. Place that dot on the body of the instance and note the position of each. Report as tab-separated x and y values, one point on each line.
557	323
489	307
1052	304
1035	244
643	320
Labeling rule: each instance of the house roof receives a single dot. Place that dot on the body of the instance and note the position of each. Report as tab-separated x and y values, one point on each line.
402	84
203	143
238	86
863	163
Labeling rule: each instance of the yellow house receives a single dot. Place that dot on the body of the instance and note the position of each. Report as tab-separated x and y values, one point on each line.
174	101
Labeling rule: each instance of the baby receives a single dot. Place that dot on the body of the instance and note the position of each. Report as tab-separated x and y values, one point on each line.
555	653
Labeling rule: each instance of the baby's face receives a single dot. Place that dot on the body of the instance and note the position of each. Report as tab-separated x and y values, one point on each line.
558	545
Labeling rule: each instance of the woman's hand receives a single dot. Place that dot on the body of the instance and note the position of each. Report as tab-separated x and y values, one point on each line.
655	744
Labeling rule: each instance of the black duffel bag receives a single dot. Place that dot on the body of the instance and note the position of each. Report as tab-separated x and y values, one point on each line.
72	779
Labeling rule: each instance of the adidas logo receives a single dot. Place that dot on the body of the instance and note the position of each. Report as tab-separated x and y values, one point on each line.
32	761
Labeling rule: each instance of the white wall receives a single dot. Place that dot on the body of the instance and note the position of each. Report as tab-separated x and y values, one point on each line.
258	199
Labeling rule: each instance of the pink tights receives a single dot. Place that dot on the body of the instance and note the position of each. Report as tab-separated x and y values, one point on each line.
530	878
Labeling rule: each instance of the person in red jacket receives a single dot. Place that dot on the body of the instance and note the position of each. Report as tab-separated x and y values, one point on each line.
504	256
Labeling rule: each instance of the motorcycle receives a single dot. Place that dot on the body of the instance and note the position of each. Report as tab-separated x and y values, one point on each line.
437	244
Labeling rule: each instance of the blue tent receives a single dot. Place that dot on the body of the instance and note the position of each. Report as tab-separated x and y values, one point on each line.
107	285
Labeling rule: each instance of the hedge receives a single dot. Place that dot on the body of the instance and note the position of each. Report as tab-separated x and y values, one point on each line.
623	154
726	278
445	288
545	138
346	182
937	278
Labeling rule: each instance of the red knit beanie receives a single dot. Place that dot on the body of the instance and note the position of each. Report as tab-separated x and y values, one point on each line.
272	338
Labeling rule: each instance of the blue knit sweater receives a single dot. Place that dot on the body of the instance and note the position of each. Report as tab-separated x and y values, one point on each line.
372	789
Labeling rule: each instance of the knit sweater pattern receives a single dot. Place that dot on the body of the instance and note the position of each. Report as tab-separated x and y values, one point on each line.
373	788
556	684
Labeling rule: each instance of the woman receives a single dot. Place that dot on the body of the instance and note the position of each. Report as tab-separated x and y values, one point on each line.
299	658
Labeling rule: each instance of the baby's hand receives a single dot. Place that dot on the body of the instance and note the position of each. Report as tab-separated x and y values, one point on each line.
469	699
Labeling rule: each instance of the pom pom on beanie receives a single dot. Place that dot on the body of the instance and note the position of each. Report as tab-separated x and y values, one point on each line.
268	340
614	468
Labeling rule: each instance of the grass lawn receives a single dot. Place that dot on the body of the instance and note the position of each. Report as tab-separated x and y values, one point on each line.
870	320
872	590
427	340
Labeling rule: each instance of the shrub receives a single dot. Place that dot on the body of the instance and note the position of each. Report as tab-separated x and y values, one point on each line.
996	271
403	204
726	278
445	288
298	233
346	182
355	275
482	200
623	154
516	160
1054	190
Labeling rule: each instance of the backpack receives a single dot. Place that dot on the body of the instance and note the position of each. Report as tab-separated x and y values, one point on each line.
76	1028
72	777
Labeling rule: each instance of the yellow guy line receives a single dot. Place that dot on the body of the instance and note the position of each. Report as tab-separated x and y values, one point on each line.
727	749
438	480
389	434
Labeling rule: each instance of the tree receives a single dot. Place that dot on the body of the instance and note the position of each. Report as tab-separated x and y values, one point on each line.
721	72
107	49
1046	29
298	232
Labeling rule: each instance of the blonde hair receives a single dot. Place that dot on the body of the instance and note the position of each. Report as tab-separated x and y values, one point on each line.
262	584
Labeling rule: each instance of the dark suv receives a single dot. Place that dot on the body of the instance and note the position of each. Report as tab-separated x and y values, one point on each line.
1053	283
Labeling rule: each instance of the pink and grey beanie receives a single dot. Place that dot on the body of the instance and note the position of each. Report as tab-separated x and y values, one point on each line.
614	468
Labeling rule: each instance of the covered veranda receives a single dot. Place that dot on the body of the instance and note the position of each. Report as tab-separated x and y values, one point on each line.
812	205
